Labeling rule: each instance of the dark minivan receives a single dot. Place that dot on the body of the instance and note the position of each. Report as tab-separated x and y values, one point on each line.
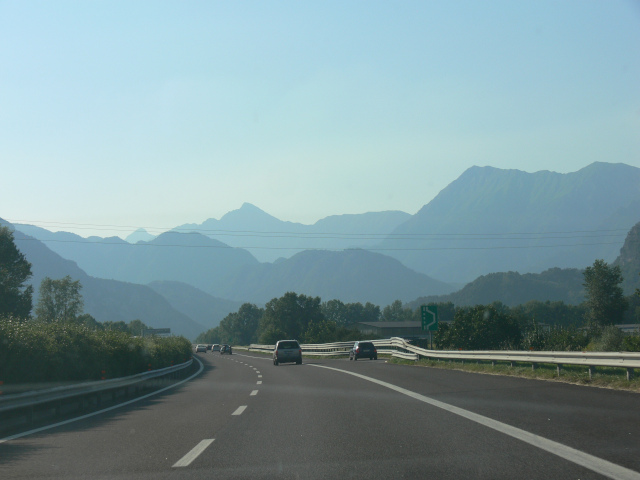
287	351
363	350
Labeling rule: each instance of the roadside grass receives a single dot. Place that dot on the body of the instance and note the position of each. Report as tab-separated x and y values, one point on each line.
605	377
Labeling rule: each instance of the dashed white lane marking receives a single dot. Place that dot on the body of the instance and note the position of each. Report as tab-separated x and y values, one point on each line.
259	382
257	371
254	392
259	376
194	453
239	410
598	465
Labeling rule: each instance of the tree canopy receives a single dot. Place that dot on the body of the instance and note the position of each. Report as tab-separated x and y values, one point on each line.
60	300
16	298
605	303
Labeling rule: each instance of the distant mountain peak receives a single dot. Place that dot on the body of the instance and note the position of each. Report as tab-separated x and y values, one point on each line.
140	235
248	215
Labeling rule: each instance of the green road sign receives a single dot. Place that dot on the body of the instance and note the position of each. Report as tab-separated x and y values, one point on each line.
429	317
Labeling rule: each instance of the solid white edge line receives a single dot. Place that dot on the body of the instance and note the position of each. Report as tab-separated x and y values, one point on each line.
239	410
578	457
194	453
113	407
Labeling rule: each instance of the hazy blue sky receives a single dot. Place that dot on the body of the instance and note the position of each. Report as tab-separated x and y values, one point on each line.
158	113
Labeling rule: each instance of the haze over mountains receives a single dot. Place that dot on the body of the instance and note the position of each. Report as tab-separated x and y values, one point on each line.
107	300
489	220
493	220
268	238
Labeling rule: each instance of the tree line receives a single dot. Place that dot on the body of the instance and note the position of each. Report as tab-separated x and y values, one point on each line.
534	325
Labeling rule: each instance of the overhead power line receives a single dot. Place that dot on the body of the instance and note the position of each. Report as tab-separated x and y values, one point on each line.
343	235
371	249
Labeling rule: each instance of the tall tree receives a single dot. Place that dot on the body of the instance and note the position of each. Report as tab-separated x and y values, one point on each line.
60	300
288	317
16	298
605	299
397	313
241	327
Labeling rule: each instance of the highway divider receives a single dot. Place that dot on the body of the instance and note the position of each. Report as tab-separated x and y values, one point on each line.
400	348
33	407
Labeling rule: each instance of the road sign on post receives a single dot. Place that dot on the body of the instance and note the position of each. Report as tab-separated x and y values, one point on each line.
429	317
147	332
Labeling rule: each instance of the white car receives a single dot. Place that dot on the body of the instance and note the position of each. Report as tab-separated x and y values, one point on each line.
201	348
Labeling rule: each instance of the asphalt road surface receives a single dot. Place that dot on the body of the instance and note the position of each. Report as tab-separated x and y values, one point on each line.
243	417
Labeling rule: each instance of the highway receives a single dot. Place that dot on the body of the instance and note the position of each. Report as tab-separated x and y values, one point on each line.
243	417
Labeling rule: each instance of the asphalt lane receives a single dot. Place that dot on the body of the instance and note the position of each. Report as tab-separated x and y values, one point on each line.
301	421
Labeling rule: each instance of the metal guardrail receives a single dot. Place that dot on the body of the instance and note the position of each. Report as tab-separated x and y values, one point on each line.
398	347
86	393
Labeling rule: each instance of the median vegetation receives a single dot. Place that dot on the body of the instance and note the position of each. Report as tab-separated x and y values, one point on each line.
36	351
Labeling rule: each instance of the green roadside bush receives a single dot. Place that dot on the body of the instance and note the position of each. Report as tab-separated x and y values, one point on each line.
631	343
34	352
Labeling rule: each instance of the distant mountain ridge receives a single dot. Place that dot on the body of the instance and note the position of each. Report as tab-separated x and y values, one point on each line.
488	220
189	258
105	300
492	220
513	288
351	276
268	238
554	284
629	261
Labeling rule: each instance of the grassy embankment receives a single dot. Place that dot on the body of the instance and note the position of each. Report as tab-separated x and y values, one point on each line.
607	377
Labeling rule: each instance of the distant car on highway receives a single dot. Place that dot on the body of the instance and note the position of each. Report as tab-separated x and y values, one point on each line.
363	350
201	348
209	346
287	351
215	348
226	349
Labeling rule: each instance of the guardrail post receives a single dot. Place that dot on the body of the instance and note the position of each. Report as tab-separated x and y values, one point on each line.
493	363
533	365
559	367
592	371
629	374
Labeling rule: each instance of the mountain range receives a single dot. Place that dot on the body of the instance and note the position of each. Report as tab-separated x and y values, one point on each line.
268	238
493	220
106	300
488	220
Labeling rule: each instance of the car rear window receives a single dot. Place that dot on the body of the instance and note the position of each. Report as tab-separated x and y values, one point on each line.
366	345
288	345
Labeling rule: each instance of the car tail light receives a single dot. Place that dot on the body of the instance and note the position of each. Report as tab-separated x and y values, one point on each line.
357	349
375	350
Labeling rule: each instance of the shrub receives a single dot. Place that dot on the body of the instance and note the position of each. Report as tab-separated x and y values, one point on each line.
32	352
